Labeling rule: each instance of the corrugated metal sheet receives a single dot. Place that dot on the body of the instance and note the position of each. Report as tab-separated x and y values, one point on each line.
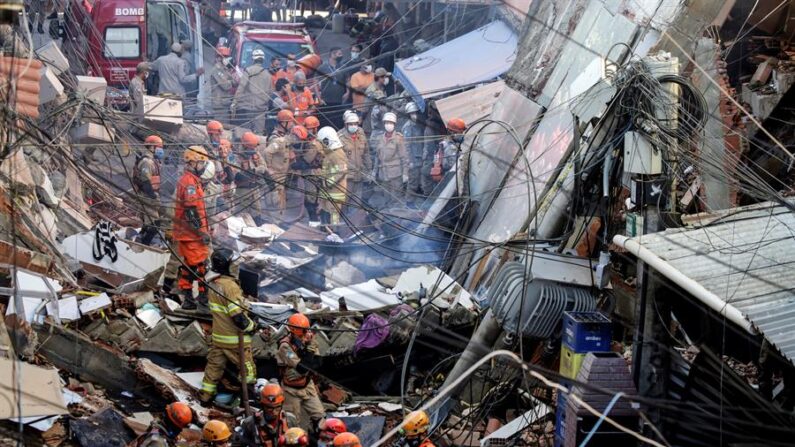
747	259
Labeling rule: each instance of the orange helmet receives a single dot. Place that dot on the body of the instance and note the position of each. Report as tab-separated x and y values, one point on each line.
456	125
294	436
214	127
330	428
225	147
223	51
195	153
285	115
153	140
347	439
272	395
298	324
250	140
216	430
416	423
300	132
311	122
179	413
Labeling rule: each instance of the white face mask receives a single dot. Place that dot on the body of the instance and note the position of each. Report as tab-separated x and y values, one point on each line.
386	81
352	128
389	127
354	55
413	117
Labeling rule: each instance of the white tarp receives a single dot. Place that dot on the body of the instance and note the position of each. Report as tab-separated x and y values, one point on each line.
478	56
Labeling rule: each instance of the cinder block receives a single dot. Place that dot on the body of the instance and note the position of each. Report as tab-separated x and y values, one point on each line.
50	86
52	56
763	72
162	114
91	133
93	88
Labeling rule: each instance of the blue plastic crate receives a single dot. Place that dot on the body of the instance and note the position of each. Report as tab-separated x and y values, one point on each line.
587	332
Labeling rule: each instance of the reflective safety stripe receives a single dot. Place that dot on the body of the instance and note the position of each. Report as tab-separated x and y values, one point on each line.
337	196
230	339
218	308
250	375
250	326
232	308
208	387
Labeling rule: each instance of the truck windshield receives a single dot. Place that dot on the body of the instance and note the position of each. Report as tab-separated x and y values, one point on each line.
122	42
272	49
166	23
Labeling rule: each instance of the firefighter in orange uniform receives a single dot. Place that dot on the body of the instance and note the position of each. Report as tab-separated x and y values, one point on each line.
191	231
297	357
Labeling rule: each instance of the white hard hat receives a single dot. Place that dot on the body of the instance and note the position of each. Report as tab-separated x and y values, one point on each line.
390	117
411	107
328	136
257	54
209	171
350	117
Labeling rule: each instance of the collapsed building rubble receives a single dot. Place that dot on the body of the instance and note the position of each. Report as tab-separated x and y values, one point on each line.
642	278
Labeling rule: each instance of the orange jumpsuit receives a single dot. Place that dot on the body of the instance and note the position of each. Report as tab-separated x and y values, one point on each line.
303	105
190	245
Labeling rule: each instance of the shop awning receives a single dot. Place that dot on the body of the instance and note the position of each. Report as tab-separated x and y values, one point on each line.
481	55
470	105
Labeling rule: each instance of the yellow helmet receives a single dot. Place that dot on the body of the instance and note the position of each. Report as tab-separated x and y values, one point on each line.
216	430
195	153
416	423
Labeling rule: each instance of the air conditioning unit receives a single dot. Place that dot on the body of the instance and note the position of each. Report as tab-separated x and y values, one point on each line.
162	113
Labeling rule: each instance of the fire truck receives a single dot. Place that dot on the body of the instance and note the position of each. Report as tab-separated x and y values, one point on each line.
109	38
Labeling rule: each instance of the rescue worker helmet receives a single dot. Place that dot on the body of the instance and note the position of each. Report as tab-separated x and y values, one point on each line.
311	122
179	413
298	324
223	51
215	430
390	117
347	439
330	428
222	259
250	140
285	115
328	136
350	117
258	54
300	132
214	127
416	423
456	125
295	436
153	140
195	153
208	173
411	108
272	395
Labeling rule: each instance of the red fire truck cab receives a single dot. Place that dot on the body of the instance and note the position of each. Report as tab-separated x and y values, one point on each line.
275	39
112	36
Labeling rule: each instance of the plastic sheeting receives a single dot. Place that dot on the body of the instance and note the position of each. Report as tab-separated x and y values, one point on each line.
478	56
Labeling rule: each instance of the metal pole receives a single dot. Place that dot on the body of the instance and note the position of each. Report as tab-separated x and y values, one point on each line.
198	58
241	351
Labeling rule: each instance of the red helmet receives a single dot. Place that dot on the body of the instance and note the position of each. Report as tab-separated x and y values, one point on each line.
223	51
300	132
456	125
311	122
214	127
285	115
153	140
299	324
330	428
179	414
249	140
272	395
